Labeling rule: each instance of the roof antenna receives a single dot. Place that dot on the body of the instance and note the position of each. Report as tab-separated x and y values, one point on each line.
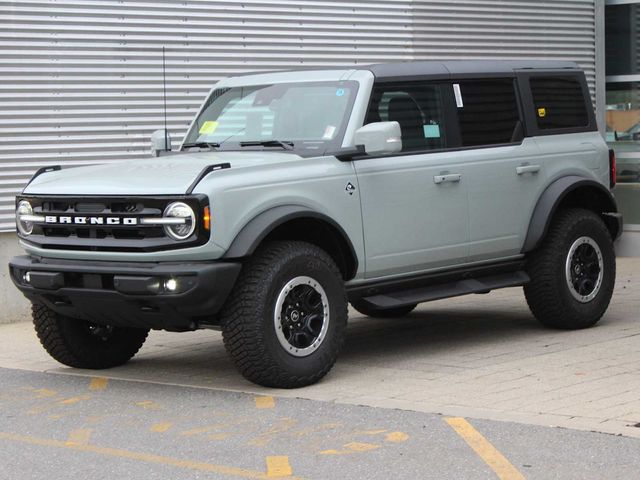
164	94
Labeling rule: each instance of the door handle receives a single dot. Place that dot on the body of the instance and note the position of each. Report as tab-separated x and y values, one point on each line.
450	177
522	169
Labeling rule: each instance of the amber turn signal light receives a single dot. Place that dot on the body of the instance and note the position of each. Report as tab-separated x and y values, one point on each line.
206	219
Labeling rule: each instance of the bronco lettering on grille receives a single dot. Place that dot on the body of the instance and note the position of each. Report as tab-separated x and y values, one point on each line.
67	220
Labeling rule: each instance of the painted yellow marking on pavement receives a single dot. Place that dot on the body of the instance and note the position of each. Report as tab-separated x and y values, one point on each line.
396	437
361	447
148	405
199	430
265	402
74	400
38	410
98	383
161	427
371	432
139	456
278	467
79	437
485	450
317	429
218	436
282	425
45	393
350	448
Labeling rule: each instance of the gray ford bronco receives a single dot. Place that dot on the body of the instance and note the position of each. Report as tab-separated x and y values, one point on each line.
294	194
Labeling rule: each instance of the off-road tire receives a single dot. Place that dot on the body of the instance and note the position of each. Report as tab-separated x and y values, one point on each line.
548	293
247	320
396	312
71	342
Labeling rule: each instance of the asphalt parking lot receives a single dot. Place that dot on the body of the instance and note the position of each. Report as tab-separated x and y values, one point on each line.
73	427
463	388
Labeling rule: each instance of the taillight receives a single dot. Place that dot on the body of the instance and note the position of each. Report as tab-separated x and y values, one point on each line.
612	168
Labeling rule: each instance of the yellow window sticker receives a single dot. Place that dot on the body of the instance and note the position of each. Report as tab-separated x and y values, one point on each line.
542	112
208	127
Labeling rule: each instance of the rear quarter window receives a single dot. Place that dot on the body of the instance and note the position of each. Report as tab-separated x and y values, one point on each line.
559	102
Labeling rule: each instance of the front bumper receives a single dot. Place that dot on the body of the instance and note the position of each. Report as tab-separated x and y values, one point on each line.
170	296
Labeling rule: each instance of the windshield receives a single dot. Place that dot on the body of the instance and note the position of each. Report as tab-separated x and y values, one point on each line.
307	117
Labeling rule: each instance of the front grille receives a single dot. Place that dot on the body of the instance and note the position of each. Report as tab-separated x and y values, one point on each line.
104	237
73	207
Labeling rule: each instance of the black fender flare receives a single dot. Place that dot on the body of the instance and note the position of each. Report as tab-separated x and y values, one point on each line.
552	197
257	229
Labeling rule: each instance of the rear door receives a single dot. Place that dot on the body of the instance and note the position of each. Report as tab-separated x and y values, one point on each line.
414	204
505	175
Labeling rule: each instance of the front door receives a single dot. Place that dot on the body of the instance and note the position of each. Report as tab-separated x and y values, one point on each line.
414	204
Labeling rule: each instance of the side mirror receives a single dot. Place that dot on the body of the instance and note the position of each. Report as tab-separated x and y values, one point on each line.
160	142
379	138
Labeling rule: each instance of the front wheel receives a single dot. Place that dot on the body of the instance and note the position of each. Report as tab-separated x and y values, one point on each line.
81	344
284	322
573	272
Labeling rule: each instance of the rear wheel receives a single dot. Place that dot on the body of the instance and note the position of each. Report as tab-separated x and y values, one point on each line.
82	344
284	322
369	311
573	272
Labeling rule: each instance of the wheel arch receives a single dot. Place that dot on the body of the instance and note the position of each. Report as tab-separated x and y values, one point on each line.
571	191
295	222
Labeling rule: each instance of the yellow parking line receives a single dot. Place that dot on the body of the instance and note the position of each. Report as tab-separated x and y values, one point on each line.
396	437
350	448
139	456
98	383
45	393
79	437
161	427
492	457
74	400
265	402
149	405
278	467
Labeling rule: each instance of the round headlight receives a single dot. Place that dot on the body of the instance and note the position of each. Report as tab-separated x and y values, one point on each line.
180	231
24	208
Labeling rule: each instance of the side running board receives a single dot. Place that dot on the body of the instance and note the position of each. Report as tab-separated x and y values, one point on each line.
446	290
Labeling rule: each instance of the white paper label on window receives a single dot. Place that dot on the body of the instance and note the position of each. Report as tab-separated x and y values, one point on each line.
456	92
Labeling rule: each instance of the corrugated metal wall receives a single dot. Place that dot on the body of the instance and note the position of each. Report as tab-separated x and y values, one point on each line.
81	82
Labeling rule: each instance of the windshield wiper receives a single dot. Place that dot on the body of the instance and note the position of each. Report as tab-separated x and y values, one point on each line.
209	145
286	144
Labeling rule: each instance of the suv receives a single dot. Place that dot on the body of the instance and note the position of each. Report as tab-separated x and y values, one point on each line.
294	194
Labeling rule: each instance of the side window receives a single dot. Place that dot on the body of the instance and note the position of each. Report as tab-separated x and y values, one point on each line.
417	107
487	111
559	102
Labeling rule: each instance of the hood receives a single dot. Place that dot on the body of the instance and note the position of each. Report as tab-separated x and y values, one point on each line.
169	175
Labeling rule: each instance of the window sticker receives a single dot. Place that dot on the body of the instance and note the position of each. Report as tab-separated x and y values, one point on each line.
339	92
431	130
542	112
329	132
208	127
458	95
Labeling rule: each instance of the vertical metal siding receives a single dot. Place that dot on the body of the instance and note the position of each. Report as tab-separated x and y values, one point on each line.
81	83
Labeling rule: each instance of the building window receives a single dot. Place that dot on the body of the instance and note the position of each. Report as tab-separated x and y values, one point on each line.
487	113
622	50
622	47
